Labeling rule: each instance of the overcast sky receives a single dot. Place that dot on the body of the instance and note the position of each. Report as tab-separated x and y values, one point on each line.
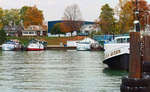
54	9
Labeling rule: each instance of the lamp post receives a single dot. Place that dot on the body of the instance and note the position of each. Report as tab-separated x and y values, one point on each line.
136	21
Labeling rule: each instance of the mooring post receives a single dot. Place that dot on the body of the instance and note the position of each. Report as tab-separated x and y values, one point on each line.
146	54
135	57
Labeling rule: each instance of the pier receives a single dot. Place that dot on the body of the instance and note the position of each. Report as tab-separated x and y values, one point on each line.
138	79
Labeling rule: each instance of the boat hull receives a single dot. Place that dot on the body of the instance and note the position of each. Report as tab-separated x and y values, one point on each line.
120	62
34	49
8	47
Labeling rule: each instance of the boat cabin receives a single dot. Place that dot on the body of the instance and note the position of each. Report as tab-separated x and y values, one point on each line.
122	39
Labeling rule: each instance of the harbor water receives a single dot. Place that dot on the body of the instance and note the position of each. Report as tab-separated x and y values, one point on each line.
57	71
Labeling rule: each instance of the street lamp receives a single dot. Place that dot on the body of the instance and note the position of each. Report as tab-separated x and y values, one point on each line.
136	21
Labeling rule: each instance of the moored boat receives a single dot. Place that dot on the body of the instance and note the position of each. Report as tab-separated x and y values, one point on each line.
11	45
36	45
83	46
88	44
117	53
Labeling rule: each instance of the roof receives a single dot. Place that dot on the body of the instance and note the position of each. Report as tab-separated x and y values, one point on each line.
36	28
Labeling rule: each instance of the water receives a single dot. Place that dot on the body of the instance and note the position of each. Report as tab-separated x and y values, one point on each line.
56	71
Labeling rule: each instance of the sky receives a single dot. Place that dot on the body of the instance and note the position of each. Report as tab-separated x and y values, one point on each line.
54	9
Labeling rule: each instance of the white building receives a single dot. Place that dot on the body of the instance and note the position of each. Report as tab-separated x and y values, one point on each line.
34	30
89	28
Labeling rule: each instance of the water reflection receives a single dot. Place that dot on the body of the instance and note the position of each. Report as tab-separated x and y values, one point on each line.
110	72
55	71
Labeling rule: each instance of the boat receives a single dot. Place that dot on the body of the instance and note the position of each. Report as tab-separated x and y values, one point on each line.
88	44
11	45
83	46
117	53
35	45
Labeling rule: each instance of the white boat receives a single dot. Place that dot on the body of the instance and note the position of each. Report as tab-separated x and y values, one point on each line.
35	45
11	45
83	46
88	44
117	53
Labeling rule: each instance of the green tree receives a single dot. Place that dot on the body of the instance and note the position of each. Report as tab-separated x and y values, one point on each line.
23	11
107	20
11	17
57	29
2	36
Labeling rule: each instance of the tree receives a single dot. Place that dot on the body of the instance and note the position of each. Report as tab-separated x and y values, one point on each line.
2	36
127	14
126	17
23	11
64	28
72	18
1	16
11	17
107	20
33	16
143	7
57	29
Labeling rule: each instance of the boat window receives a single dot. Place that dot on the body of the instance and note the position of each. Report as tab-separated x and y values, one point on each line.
118	40
122	40
128	40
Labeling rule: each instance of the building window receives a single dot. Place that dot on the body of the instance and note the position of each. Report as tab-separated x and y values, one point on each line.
31	32
25	32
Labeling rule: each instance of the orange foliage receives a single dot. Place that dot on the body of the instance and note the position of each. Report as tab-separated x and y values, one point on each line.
143	7
64	28
33	16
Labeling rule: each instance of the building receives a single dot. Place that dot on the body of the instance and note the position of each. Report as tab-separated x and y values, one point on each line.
89	28
13	30
35	30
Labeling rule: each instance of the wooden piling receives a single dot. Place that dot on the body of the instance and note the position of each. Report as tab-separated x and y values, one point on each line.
139	78
135	57
146	52
146	55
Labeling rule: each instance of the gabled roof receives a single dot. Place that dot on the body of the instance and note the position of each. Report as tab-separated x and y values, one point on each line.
36	28
13	28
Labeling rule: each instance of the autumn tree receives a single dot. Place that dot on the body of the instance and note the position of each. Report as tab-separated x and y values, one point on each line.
126	16
64	27
32	16
1	16
72	18
23	11
143	8
57	29
107	20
